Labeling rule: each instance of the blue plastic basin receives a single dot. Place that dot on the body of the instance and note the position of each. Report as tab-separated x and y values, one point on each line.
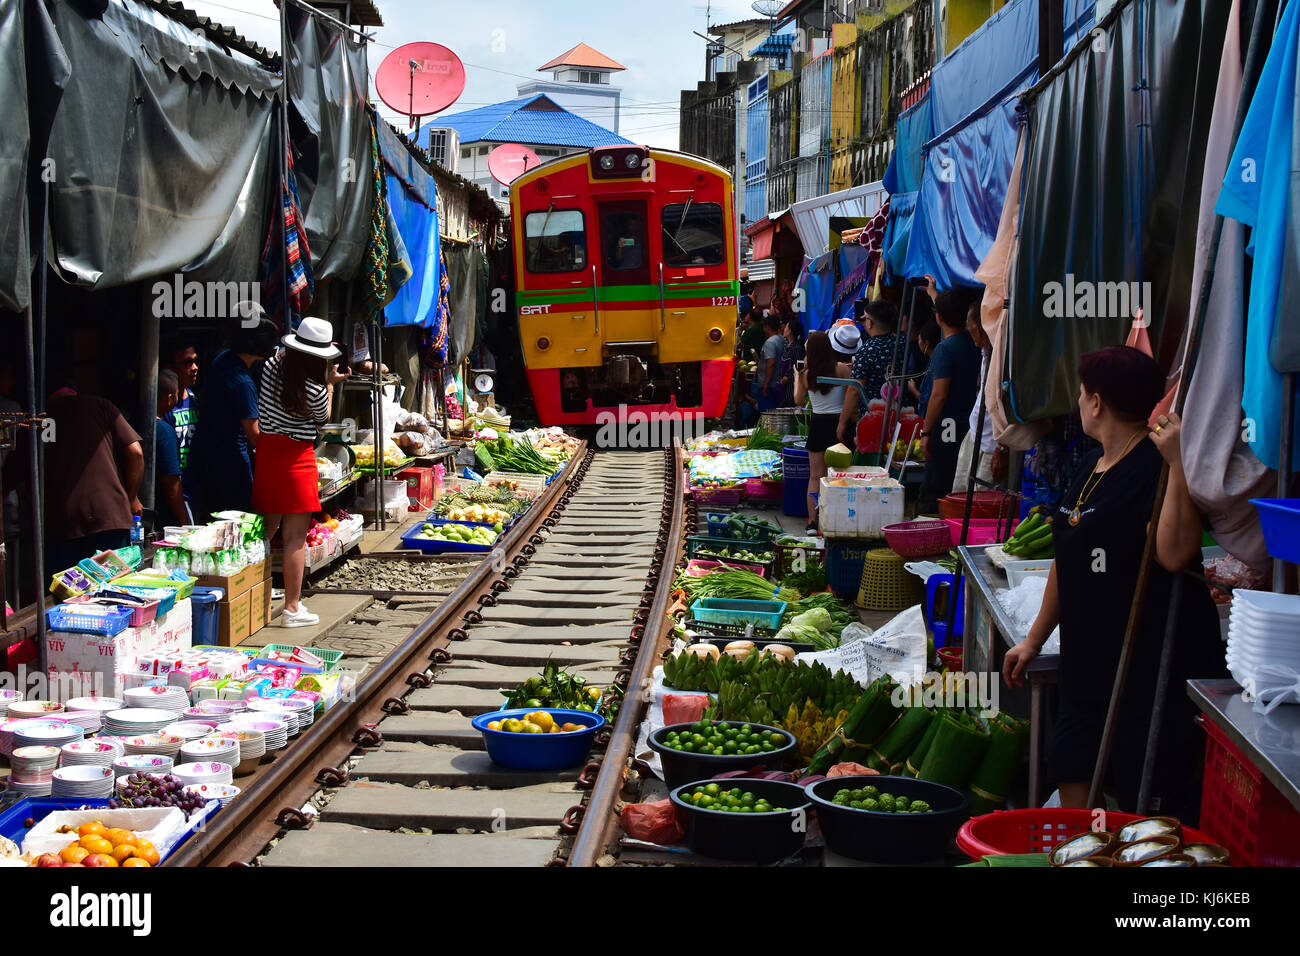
540	751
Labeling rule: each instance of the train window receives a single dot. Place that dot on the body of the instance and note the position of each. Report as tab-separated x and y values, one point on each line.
623	233
694	234
555	241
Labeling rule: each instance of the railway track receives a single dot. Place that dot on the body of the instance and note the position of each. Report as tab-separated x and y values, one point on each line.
398	777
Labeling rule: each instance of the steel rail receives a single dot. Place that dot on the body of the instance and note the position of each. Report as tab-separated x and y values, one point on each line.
271	803
598	827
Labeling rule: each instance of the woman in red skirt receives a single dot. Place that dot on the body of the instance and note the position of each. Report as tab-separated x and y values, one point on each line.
293	403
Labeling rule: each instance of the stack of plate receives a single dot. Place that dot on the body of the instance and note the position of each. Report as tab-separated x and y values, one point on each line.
275	729
161	696
8	697
134	721
252	747
1263	652
142	763
46	732
297	711
211	749
205	772
33	770
92	753
190	729
101	704
83	783
23	709
160	744
88	720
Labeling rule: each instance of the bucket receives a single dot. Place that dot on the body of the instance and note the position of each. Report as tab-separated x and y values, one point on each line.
794	496
206	614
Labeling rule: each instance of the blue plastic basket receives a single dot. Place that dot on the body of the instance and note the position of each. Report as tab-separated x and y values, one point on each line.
722	611
89	619
412	540
718	523
38	808
1280	519
540	751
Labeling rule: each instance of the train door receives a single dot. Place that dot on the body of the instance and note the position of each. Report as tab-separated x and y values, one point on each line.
630	316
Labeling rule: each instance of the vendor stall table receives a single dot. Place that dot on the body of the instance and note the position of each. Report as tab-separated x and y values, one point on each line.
1271	742
989	633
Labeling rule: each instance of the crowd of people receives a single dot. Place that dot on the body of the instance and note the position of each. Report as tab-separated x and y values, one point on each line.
240	437
946	360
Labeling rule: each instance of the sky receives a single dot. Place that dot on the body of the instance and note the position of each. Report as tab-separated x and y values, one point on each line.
503	42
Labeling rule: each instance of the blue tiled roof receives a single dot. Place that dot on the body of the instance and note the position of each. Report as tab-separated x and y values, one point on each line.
521	121
777	44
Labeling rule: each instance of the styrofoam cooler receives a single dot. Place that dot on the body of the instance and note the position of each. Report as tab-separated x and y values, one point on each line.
860	509
795	468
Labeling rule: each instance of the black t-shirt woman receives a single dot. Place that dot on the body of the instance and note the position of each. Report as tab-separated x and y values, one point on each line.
1100	531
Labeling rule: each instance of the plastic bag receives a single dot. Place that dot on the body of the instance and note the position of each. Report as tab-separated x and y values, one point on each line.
654	822
851	769
684	708
1022	604
896	648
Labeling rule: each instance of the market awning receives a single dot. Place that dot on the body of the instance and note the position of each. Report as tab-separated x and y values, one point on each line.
812	217
777	44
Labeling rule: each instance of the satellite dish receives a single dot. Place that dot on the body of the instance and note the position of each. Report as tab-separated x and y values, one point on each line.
509	161
767	8
816	20
420	79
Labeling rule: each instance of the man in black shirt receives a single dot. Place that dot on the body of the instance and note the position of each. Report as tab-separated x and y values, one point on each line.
954	369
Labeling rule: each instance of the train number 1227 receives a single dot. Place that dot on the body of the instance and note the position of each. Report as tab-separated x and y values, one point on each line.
724	300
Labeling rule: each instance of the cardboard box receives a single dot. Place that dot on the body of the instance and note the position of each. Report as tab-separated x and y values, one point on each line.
232	629
419	488
259	611
235	584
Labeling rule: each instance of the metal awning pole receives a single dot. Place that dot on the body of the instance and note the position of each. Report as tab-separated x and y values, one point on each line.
325	16
1284	465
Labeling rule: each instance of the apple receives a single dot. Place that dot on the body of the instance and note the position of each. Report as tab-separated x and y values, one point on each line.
94	859
49	859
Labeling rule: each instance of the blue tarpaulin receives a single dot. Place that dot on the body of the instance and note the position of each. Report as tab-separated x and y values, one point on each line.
817	282
899	231
417	302
915	129
967	163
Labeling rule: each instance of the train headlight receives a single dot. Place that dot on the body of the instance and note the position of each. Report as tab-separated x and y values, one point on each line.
607	162
715	334
543	344
632	160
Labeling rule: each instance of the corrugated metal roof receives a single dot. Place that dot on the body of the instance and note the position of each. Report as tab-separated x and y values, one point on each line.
583	55
530	120
777	44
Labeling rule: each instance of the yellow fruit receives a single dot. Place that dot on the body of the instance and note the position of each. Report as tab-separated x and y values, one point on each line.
123	851
96	844
145	851
73	853
135	861
87	829
542	719
117	836
494	725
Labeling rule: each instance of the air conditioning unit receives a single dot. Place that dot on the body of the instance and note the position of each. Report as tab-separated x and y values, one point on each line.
444	147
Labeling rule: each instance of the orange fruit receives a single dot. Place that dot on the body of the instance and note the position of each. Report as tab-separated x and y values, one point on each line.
145	851
123	851
96	844
73	853
94	827
117	836
134	861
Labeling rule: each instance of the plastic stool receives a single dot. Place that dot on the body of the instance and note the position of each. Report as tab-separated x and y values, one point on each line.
939	626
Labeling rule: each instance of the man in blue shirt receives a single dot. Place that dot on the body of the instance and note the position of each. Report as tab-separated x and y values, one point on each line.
168	500
223	447
954	370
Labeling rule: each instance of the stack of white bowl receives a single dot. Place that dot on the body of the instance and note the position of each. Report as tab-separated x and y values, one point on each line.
252	747
23	709
204	772
83	783
32	770
135	721
159	744
160	696
210	749
274	727
93	753
142	763
189	730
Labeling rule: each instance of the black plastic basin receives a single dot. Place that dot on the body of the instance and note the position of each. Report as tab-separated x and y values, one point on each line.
747	837
681	766
876	837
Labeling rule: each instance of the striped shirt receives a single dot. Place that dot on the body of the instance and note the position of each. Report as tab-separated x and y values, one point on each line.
272	415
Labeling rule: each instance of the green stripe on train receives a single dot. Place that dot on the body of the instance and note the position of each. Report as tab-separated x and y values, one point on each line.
636	293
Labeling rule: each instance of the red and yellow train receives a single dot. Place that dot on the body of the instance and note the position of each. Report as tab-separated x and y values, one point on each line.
626	284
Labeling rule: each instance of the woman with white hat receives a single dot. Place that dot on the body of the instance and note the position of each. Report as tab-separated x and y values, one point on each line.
297	387
828	356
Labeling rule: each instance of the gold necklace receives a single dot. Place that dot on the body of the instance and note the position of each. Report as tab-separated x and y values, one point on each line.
1086	492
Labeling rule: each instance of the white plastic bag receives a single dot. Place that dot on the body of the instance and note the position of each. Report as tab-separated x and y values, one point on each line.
161	826
896	648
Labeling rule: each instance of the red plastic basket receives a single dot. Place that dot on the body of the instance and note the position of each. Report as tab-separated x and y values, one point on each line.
981	530
1003	832
918	539
716	497
951	658
1244	813
984	504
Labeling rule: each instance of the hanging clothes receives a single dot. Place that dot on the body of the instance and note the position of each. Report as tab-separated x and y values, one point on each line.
375	265
436	334
1256	192
286	241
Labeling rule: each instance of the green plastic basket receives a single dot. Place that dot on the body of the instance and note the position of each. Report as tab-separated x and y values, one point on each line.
329	655
183	589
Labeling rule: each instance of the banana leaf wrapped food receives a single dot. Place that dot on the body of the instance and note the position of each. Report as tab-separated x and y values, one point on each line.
901	739
912	765
868	719
959	745
1008	744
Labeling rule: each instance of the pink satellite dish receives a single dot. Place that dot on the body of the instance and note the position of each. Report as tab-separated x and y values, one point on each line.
419	79
509	161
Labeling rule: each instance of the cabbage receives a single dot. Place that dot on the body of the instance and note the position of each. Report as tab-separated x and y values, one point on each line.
818	618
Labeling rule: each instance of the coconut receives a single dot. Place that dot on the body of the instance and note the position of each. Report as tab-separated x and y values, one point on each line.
839	456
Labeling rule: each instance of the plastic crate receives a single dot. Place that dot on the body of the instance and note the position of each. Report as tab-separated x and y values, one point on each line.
785	556
722	611
1038	830
982	530
718	527
696	568
764	490
984	504
412	540
716	497
706	628
701	542
89	619
38	808
328	655
844	563
530	483
1241	811
1280	519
